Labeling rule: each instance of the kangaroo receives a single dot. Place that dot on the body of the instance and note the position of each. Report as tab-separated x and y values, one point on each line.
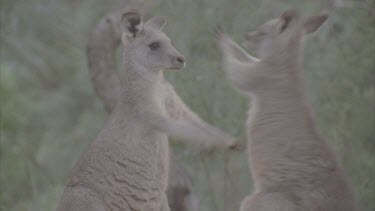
101	49
126	167
292	166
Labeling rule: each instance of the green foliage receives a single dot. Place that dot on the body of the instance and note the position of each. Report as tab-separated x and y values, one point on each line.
50	114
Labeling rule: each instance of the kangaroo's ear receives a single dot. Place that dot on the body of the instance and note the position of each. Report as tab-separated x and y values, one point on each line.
157	22
313	23
287	17
132	25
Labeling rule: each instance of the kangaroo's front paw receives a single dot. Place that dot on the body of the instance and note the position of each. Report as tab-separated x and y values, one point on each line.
225	140
237	147
222	142
218	32
221	36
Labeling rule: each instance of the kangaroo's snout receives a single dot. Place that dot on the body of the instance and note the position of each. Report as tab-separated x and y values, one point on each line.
180	59
178	62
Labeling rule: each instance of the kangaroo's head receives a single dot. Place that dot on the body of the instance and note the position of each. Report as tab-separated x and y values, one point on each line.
277	45
276	36
146	46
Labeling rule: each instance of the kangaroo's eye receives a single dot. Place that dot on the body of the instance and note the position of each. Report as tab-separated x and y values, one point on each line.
154	46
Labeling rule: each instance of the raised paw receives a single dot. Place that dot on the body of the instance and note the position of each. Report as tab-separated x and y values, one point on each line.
218	31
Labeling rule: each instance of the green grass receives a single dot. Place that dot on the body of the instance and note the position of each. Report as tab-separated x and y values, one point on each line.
49	112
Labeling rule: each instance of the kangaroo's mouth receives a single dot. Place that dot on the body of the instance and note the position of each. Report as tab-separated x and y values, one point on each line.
175	68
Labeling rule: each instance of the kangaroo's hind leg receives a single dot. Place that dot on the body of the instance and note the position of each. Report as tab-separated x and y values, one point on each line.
267	202
80	199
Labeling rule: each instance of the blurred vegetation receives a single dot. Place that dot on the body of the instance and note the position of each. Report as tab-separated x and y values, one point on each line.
49	112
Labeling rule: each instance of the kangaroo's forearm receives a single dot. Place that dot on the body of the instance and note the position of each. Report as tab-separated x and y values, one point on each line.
187	131
197	134
178	110
231	49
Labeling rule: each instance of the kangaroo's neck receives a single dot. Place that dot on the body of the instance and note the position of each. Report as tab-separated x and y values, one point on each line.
289	56
291	90
287	99
284	107
140	85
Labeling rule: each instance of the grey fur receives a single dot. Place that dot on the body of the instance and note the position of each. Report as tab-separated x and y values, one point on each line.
126	167
102	46
292	166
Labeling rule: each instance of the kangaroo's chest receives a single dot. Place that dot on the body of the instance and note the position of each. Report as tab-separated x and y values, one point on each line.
129	173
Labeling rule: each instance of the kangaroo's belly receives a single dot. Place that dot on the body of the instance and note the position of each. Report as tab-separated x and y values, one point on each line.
285	156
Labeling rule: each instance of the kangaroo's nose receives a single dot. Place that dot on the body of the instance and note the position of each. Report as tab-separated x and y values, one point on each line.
180	59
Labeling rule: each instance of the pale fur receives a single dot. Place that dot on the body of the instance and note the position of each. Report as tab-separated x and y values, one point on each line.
292	166
126	167
102	46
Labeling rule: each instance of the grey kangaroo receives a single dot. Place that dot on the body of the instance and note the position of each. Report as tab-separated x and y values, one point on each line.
101	52
292	166
126	167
